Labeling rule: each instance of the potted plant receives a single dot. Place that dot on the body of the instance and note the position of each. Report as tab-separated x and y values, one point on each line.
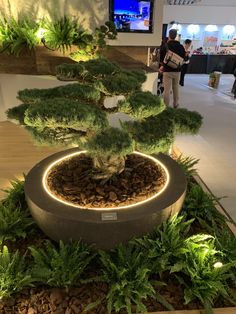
108	187
214	79
35	42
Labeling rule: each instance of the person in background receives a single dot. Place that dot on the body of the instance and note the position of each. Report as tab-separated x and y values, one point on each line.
171	76
160	87
184	69
198	51
233	91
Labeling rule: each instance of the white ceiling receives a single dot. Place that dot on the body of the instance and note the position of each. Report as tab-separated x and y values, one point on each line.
221	3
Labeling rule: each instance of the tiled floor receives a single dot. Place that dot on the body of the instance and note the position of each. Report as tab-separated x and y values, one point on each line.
215	145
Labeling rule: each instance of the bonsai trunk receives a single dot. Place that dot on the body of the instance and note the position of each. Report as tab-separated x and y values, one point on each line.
106	166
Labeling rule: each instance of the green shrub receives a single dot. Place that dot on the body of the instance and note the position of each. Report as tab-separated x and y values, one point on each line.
141	105
60	266
17	35
126	271
64	113
202	274
112	142
14	273
71	91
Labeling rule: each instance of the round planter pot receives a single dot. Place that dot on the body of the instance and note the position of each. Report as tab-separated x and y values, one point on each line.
103	227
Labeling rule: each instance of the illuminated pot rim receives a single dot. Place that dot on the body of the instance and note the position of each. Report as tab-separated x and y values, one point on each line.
42	205
71	155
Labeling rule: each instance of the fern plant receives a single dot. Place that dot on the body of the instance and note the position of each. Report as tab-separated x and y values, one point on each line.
16	35
15	195
226	243
60	266
15	219
188	164
201	272
127	272
14	273
165	244
201	206
60	34
14	223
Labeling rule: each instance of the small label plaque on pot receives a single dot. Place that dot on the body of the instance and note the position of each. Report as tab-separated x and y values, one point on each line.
109	216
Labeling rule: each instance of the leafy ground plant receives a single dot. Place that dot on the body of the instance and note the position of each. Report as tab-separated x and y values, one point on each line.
188	164
15	219
165	244
201	206
15	195
127	272
202	273
62	265
14	273
14	223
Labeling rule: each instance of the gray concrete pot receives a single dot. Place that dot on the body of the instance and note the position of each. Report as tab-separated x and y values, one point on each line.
103	227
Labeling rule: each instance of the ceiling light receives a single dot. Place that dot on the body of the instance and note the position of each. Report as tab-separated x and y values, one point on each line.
193	29
211	28
228	29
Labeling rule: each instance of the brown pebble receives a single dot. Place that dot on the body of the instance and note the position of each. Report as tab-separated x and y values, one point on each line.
68	310
112	196
31	311
57	296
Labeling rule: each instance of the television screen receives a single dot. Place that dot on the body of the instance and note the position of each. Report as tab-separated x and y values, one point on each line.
132	15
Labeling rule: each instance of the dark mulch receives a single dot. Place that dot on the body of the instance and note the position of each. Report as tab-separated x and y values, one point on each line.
71	181
43	300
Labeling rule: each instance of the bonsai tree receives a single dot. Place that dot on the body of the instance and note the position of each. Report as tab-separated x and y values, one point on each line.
75	114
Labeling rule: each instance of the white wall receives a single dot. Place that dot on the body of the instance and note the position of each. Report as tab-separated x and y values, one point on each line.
91	13
199	14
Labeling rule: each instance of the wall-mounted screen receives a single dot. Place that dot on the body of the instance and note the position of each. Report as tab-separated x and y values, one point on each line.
132	15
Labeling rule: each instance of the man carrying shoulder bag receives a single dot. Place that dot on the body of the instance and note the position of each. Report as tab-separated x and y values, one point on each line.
171	58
